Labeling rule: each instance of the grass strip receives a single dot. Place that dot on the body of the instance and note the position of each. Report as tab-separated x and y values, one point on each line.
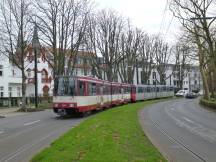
114	135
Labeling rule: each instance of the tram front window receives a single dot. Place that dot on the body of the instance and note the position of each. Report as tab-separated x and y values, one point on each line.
66	86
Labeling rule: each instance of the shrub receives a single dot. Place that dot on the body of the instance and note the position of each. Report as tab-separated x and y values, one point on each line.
210	103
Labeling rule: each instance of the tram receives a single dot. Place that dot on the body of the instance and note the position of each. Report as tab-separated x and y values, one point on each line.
81	94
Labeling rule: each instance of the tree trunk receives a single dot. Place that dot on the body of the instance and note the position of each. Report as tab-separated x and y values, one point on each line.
205	84
211	75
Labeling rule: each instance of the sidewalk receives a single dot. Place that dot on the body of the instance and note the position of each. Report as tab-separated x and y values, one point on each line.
5	112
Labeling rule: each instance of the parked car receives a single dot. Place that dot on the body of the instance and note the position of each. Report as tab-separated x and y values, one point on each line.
191	95
200	93
181	93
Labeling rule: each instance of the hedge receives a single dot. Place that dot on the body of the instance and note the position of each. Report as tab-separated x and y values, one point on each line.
210	103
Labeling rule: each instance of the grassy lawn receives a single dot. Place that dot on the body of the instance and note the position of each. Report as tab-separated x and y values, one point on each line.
114	135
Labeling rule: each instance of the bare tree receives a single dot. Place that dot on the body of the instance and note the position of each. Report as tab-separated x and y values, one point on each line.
15	35
182	62
193	16
96	62
62	26
129	48
109	28
162	59
146	55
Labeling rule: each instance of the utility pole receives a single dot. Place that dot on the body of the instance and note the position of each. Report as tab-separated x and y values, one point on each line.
137	71
36	48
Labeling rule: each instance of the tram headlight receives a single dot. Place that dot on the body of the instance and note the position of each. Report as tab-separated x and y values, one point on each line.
56	105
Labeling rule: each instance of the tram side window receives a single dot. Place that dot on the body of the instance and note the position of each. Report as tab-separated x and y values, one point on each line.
116	90
122	90
109	89
98	88
144	90
92	89
113	90
128	89
140	90
105	90
125	90
81	88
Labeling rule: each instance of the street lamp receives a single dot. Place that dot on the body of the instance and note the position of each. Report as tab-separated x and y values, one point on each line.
36	47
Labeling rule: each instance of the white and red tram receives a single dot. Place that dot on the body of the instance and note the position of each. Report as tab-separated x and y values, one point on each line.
81	94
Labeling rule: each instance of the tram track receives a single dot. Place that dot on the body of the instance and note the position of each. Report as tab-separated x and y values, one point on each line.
178	142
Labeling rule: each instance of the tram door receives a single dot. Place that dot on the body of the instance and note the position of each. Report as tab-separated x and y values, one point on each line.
133	94
101	99
100	94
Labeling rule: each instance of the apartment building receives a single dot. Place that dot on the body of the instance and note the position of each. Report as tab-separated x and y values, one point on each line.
10	83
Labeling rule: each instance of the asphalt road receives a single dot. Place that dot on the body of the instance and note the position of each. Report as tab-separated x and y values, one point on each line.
23	136
182	130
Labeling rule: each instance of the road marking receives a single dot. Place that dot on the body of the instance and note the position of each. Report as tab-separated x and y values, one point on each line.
190	121
30	123
1	132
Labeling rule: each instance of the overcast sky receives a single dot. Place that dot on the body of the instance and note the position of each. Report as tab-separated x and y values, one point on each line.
146	14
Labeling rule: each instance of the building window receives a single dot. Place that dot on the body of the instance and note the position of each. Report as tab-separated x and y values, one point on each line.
82	71
79	61
29	74
44	76
13	73
1	91
1	70
10	91
195	82
18	92
154	75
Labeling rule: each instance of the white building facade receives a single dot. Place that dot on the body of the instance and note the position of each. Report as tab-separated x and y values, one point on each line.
10	83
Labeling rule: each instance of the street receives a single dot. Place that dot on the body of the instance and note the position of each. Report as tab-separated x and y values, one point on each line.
22	136
181	129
